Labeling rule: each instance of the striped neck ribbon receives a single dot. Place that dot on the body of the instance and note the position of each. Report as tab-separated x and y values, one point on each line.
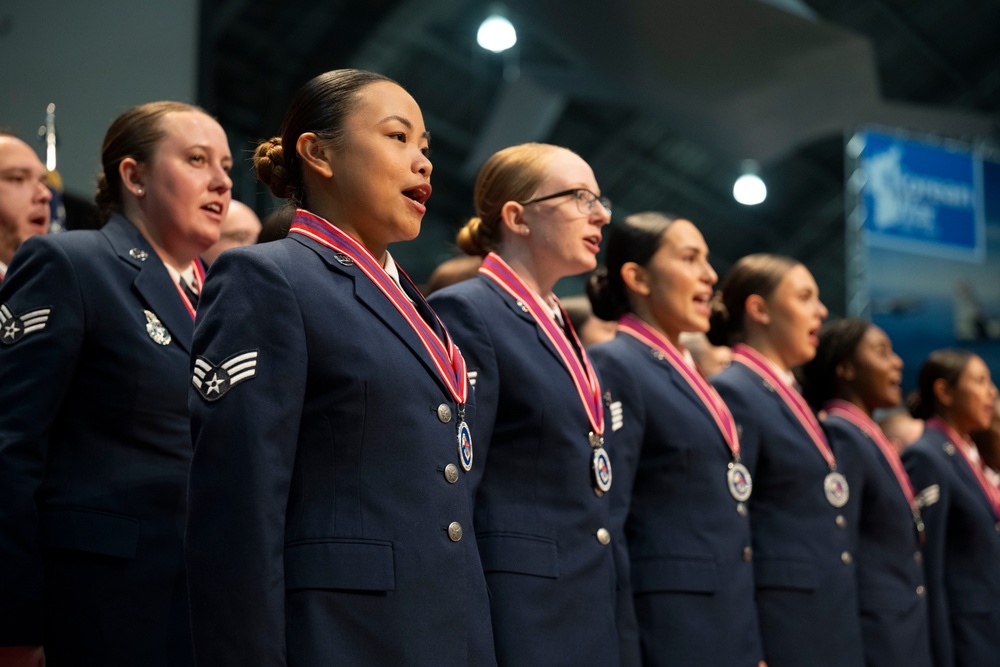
444	355
633	326
199	270
992	493
580	369
757	363
857	417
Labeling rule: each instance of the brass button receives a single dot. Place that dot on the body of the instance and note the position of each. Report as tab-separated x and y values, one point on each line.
921	591
444	413
741	509
454	531
603	536
747	553
841	521
451	473
846	558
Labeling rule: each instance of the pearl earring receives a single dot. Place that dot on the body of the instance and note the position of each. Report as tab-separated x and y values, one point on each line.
139	192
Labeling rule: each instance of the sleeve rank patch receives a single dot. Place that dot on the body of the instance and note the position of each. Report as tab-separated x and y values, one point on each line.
15	327
212	382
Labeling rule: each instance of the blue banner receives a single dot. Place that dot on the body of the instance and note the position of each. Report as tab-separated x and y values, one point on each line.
921	198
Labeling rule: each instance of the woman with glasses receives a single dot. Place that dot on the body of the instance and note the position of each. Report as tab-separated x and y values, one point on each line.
541	472
681	493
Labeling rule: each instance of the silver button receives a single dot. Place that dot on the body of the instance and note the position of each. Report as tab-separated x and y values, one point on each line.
603	536
451	473
741	509
997	526
841	521
921	591
444	413
747	553
918	557
454	531
846	558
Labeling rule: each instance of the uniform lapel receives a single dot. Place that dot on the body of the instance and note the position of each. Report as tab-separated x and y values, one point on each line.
374	300
967	476
153	284
521	312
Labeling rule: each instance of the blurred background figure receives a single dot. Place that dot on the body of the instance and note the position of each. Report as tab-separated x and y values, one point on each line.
960	507
240	228
276	224
452	271
590	328
901	428
24	197
710	359
855	371
988	444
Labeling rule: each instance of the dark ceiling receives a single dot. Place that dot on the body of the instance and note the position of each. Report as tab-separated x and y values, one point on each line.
663	98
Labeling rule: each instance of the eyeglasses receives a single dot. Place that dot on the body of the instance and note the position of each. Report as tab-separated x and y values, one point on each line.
585	200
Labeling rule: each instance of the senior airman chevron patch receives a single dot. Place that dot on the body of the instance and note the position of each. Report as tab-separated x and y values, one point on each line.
15	327
212	382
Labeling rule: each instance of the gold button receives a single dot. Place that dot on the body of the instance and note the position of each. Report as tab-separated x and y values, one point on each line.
741	509
444	413
841	521
454	531
603	536
747	553
846	558
451	473
921	591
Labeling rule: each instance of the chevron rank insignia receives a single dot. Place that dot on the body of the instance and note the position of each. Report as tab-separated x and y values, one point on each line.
212	382
15	327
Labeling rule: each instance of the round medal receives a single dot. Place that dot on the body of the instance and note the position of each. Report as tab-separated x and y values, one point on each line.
835	487
465	445
602	470
740	483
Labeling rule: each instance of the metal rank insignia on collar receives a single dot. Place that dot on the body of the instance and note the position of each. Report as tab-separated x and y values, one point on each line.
156	330
139	254
212	381
15	327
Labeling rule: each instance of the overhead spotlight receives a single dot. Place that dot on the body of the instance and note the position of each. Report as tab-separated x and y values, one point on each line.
749	188
496	34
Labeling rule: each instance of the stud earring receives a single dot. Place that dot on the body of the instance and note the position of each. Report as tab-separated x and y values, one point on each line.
140	192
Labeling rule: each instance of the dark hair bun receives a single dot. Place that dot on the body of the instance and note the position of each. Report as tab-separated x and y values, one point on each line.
269	162
603	300
718	321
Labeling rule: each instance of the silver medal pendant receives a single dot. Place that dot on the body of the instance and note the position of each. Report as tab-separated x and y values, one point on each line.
739	480
601	464
836	489
464	445
156	330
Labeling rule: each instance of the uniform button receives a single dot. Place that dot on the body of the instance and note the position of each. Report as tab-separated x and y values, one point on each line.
841	521
846	558
921	591
997	526
444	413
454	531
747	553
918	558
451	473
741	509
603	536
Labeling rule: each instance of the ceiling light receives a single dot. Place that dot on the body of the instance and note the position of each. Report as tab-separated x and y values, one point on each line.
496	34
749	189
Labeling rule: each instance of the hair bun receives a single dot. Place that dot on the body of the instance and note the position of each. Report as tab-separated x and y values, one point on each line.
269	163
719	331
470	238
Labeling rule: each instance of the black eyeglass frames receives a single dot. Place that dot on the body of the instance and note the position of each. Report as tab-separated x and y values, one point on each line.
585	200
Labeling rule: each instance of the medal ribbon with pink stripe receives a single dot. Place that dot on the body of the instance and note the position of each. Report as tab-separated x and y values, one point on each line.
992	492
856	416
199	270
756	362
583	375
647	335
445	357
